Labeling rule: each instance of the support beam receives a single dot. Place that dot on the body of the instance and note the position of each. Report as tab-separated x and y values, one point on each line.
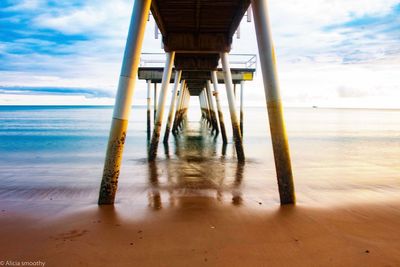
178	109
160	113
219	109
178	75
241	107
186	105
148	109
185	102
275	113
123	102
182	108
202	108
237	137
212	107
196	41
155	102
207	105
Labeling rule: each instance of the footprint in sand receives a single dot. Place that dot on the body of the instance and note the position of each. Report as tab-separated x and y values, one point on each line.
71	235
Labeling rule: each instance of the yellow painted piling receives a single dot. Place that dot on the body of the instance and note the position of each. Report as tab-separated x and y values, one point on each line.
123	102
280	142
115	148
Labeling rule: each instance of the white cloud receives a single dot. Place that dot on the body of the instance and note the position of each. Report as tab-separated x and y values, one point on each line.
310	59
101	18
22	5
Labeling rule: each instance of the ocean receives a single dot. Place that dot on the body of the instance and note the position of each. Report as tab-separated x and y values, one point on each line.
338	156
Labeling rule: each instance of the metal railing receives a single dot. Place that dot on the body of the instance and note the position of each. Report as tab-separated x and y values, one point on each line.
247	61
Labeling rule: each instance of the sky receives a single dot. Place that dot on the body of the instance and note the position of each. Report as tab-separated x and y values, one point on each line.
330	53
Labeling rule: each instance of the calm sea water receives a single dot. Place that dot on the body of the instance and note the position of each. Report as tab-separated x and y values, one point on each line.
338	155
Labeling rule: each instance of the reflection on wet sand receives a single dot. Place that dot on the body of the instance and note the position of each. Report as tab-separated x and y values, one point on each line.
195	170
154	193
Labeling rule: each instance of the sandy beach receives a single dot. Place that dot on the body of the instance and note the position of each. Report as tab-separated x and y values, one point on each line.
196	206
200	231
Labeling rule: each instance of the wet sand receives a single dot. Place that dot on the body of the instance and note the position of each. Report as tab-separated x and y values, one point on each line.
196	206
200	231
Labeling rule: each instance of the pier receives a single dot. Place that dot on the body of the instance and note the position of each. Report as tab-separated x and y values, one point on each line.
197	38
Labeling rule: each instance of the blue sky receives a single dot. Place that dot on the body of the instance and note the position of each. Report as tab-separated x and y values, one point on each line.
330	53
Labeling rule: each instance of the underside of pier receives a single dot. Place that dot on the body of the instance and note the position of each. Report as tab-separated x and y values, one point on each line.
197	37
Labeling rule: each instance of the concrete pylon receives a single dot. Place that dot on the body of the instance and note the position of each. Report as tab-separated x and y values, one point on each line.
241	107
160	110
186	105
212	108
219	109
123	102
172	106
178	109
148	109
275	112
202	108
207	107
237	137
155	102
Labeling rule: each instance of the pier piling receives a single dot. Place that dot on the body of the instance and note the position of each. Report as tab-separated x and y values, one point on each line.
275	113
185	106
162	99
178	108
201	107
182	107
178	75
232	107
207	103
123	102
212	108
241	107
155	102
206	110
219	109
148	109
